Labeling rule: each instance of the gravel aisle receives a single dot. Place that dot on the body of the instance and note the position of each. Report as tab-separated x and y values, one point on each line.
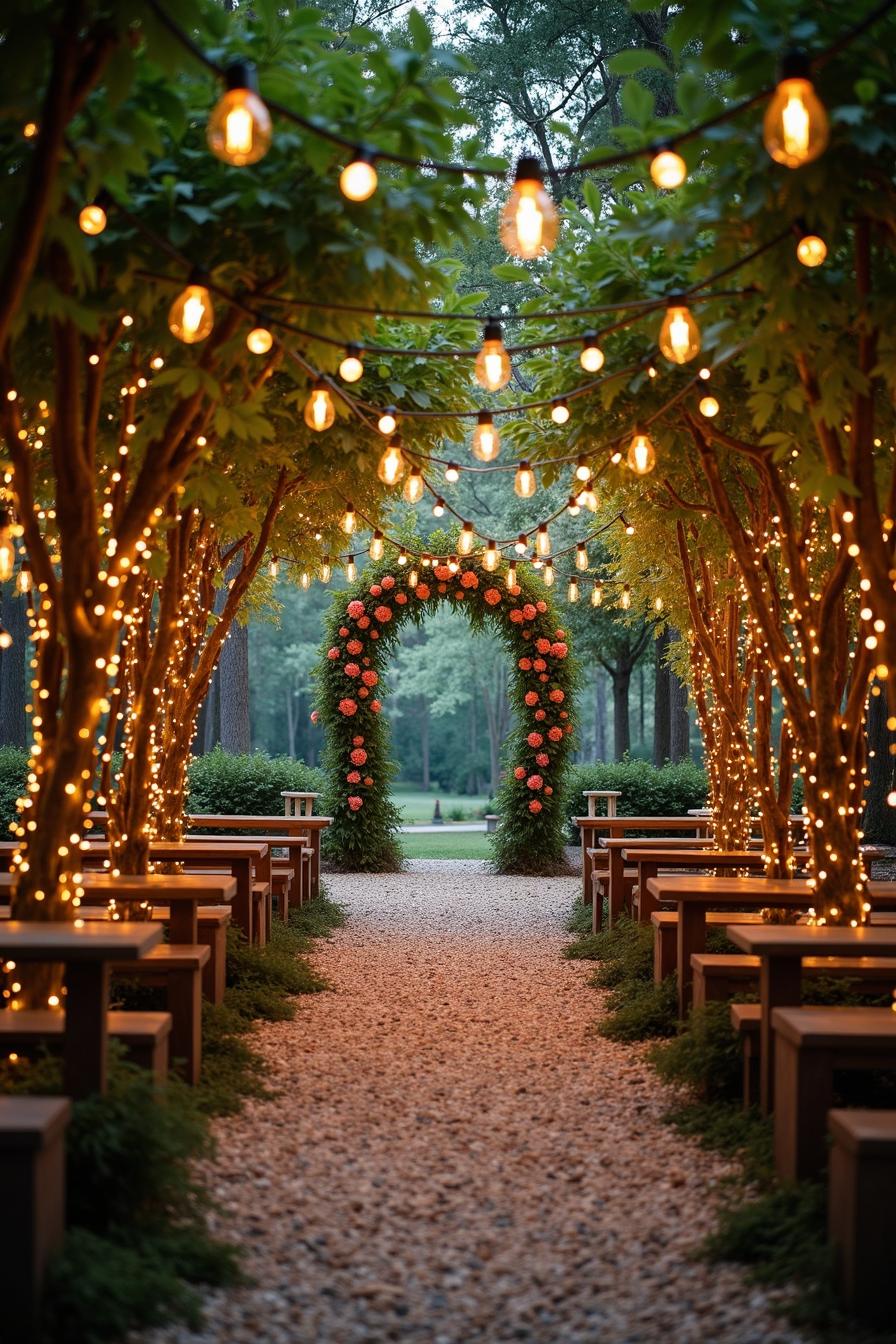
453	1159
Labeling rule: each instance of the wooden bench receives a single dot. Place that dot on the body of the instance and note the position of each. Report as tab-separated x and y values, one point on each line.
32	1178
145	1036
861	1199
746	1022
178	968
718	977
665	935
810	1043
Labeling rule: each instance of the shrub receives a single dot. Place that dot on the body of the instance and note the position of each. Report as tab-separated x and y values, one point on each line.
706	1055
13	774
646	791
247	785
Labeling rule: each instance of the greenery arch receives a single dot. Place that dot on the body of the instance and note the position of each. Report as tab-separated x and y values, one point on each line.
363	626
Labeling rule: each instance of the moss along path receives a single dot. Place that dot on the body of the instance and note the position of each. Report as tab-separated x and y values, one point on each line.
454	1157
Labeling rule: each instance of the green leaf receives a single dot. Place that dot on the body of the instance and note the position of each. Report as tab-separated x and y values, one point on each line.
637	102
593	198
640	58
419	31
509	270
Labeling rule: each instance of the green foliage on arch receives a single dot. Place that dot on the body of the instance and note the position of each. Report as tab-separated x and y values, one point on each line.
363	626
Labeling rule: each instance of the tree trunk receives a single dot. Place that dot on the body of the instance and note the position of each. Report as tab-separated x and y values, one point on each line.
13	684
291	719
212	716
622	739
424	742
233	691
680	730
640	706
879	821
662	704
600	716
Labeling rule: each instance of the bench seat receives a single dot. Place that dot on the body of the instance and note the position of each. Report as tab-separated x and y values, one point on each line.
665	934
861	1199
178	967
145	1036
718	976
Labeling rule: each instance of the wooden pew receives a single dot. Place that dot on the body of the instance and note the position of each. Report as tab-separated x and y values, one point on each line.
592	828
861	1199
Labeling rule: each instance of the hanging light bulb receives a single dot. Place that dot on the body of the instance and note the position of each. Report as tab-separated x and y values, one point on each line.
658	604
542	540
511	576
239	128
587	499
24	579
521	544
452	472
413	578
413	486
548	575
259	340
490	557
7	547
466	539
705	373
492	367
403	556
667	168
351	368
709	407
426	561
92	220
641	456
597	593
679	334
438	509
591	357
305	580
349	520
524	482
377	546
629	530
652	371
573	507
572	592
358	179
811	250
559	411
625	600
351	570
5	638
583	470
388	421
486	439
529	222
274	567
319	409
795	126
191	315
392	465
453	564
581	556
326	569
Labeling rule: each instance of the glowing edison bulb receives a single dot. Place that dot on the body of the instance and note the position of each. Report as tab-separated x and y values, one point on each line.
658	604
7	547
811	250
583	470
490	557
466	539
521	544
191	315
542	540
349	520
413	487
679	334
529	222
524	482
351	369
319	409
573	508
438	509
709	407
452	472
668	169
274	567
559	411
358	179
239	128
486	439
5	638
23	579
581	556
492	367
548	575
392	464
259	340
413	577
795	126
572	592
625	600
641	454
377	546
388	421
591	357
351	570
511	576
587	499
92	220
326	569
597	593
305	580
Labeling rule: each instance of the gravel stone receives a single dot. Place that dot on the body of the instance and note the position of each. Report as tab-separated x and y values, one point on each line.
454	1157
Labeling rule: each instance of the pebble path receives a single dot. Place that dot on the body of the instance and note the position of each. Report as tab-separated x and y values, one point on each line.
454	1157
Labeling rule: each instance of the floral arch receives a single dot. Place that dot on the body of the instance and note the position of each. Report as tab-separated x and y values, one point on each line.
363	627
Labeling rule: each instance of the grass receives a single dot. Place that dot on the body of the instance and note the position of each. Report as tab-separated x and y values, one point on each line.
460	845
415	805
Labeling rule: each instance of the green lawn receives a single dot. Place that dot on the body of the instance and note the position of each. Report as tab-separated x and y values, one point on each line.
450	845
417	806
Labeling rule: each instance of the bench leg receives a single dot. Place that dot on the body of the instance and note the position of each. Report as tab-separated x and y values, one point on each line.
185	1007
664	952
861	1197
86	1030
33	1184
804	1093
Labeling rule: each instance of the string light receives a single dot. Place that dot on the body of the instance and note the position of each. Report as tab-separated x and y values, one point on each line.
583	468
625	601
274	567
319	409
413	486
466	540
92	220
597	593
521	545
452	473
811	250
392	465
490	557
351	370
542	541
548	575
511	577
492	367
351	569
24	578
587	498
486	439
259	340
795	127
581	556
524	483
403	557
388	421
529	223
572	591
305	580
559	411
6	640
679	338
349	520
413	578
192	315
591	357
377	546
668	169
7	547
358	179
709	407
438	508
572	507
239	128
326	569
641	456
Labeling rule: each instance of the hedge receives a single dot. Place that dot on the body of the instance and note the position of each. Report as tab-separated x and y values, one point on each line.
247	784
646	791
